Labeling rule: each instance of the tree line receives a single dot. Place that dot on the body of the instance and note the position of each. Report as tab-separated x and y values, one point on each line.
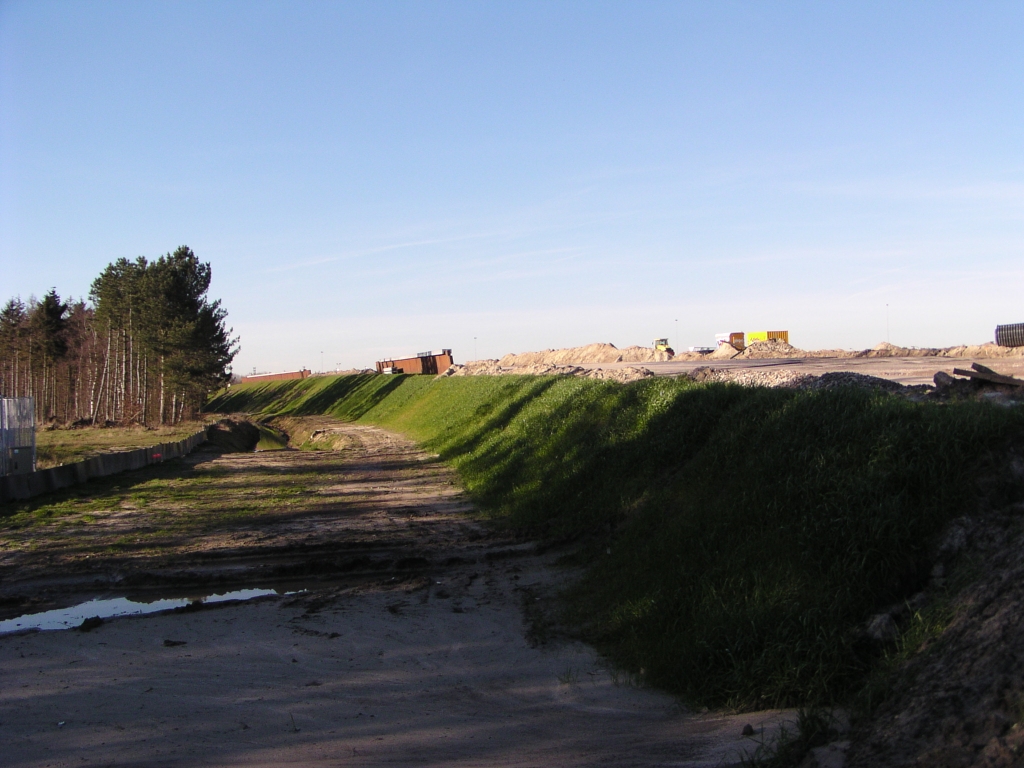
147	347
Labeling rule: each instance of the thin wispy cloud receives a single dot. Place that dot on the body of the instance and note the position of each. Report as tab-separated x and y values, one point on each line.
378	249
916	190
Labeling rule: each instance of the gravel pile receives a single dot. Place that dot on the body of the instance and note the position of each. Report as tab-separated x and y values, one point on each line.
750	378
622	375
849	379
772	350
791	379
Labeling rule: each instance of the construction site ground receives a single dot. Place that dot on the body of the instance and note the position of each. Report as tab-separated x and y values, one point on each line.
760	364
905	370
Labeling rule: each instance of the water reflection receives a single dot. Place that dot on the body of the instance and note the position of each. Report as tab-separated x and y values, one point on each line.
68	618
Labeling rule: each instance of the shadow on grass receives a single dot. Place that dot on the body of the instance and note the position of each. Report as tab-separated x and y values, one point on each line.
734	538
347	397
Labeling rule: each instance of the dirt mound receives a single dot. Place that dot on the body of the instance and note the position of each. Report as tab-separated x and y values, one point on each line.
591	353
748	377
850	379
724	352
983	350
622	375
791	379
474	368
987	350
635	354
233	435
782	350
494	368
959	700
762	350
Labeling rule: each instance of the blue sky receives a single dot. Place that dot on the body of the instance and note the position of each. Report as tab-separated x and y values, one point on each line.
373	179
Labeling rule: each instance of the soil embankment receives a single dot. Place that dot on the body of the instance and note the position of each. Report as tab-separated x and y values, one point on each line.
957	698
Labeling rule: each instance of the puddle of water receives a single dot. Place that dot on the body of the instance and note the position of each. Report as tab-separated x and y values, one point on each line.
68	618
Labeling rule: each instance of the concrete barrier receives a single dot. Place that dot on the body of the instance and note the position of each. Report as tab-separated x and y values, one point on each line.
17	487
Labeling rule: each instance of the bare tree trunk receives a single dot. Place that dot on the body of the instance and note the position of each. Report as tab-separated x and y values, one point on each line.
145	390
161	390
103	379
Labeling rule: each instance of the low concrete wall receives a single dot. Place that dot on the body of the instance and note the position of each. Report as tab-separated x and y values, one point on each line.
26	486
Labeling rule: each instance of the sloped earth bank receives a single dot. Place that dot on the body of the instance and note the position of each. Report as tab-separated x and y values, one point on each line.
958	700
408	645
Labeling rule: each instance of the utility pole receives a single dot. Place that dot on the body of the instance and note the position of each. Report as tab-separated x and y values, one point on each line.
886	323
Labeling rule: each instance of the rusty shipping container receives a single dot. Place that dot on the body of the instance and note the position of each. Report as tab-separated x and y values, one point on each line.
276	376
425	362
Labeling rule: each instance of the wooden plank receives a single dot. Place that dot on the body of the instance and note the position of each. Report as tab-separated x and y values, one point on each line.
990	376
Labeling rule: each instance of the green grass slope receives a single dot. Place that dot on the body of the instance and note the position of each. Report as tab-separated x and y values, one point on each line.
734	538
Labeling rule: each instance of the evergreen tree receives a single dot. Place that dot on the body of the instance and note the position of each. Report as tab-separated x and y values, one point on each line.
13	319
150	348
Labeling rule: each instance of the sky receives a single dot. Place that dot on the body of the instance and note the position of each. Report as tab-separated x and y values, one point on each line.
376	179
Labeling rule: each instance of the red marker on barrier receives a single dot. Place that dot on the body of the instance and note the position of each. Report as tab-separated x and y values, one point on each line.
157	456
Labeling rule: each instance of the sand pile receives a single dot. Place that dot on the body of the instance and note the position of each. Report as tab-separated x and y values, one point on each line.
987	350
764	350
724	352
983	350
591	353
474	368
494	368
749	377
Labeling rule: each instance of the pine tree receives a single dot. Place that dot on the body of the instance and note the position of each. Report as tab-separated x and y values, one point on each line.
149	348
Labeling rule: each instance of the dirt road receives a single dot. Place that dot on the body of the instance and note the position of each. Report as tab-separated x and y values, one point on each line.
408	645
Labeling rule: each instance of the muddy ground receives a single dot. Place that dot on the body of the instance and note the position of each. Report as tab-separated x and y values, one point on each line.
410	636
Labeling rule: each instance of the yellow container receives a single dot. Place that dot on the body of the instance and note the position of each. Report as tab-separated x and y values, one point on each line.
767	336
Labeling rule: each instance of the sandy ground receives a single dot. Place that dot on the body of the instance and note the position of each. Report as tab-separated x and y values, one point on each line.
423	664
905	370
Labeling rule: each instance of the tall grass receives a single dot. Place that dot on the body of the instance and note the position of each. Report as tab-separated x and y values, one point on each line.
734	538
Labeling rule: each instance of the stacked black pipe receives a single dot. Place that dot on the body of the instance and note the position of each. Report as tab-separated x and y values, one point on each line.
1010	335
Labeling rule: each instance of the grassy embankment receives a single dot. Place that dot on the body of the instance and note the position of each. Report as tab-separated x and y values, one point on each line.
65	445
734	538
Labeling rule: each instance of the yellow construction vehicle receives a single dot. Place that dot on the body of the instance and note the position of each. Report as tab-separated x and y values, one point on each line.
662	346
